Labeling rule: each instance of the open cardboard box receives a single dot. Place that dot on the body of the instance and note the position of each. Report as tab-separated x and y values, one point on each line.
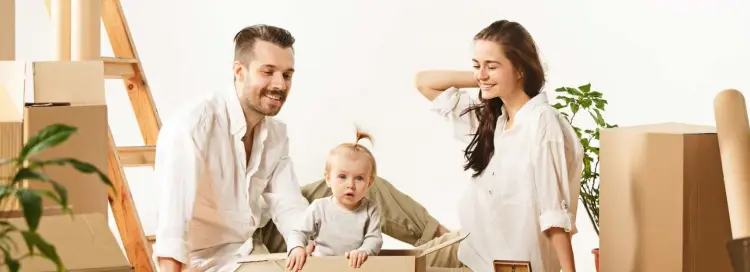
389	260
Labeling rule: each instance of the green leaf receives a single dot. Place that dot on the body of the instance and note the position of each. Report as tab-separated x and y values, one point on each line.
29	174
7	242
585	142
62	193
49	136
13	265
48	250
573	91
78	165
600	104
595	94
50	194
560	90
574	108
586	103
558	106
585	88
5	191
32	207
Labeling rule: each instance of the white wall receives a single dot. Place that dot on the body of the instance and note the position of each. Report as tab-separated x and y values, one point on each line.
654	62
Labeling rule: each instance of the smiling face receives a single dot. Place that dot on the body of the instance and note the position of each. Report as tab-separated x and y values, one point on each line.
349	175
264	84
496	75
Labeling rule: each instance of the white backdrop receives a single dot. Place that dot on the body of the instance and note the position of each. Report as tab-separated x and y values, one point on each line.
356	60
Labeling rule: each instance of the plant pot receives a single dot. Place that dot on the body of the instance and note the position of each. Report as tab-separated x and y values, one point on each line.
596	258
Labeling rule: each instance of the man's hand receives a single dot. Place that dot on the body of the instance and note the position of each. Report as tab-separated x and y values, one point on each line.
296	259
356	258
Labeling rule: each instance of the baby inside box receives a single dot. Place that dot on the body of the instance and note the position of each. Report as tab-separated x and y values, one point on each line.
391	260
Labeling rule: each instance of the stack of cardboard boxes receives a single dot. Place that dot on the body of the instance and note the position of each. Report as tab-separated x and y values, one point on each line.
34	95
38	94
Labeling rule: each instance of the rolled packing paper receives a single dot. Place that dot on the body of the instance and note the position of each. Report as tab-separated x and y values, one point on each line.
733	133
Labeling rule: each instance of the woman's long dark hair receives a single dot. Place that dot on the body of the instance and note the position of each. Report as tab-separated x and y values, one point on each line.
521	51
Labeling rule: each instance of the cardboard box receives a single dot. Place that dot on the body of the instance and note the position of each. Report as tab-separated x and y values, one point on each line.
84	243
11	139
7	30
64	92
390	260
442	269
86	192
663	204
512	266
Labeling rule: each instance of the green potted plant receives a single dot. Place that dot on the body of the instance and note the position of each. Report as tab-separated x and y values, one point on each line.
27	169
574	102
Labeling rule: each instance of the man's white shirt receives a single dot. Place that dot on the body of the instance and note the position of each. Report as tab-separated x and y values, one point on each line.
210	201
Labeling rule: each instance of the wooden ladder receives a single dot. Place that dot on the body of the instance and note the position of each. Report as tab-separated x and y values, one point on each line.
126	65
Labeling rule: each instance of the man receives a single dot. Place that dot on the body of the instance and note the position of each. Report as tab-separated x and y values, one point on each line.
224	169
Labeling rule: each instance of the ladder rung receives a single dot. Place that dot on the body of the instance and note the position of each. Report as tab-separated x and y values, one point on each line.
136	155
119	67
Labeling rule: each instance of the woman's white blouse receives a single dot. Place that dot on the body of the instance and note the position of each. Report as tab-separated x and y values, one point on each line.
530	185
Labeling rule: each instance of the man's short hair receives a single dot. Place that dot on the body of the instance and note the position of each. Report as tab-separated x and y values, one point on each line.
246	38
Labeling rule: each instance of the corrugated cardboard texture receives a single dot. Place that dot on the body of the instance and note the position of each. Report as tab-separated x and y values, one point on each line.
84	243
86	192
11	138
11	143
398	260
7	30
663	205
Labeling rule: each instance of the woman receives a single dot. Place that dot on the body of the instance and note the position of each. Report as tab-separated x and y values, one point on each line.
525	157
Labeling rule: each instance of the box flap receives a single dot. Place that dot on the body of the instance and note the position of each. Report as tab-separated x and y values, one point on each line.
282	256
263	257
84	243
443	244
667	128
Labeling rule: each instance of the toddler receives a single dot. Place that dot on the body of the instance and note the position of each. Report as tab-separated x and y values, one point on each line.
345	224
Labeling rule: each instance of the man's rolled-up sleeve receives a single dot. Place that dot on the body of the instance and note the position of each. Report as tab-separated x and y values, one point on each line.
177	168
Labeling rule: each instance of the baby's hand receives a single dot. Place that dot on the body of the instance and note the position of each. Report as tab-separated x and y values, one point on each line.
356	258
296	259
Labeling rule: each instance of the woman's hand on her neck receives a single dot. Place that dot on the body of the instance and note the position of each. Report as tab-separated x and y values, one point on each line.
430	83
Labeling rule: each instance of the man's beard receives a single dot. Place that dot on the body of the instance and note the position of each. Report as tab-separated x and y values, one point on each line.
265	93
